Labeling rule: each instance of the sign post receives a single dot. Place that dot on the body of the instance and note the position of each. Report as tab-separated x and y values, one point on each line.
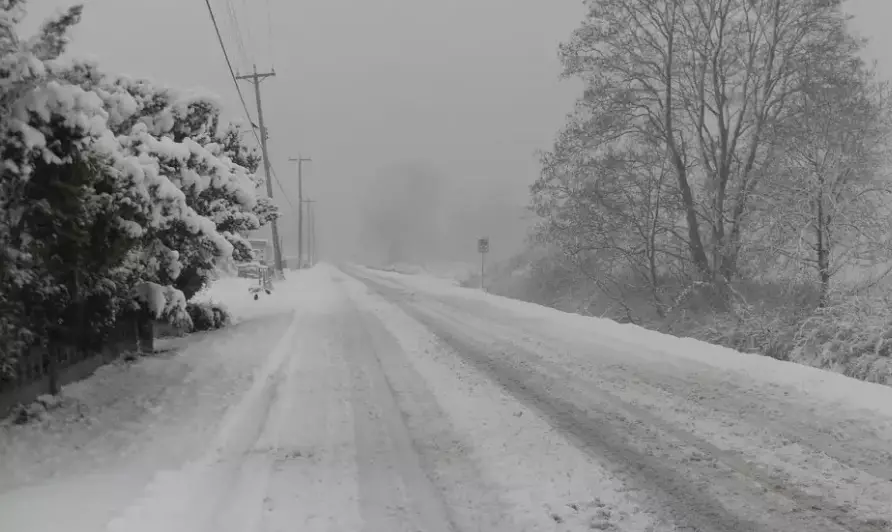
483	249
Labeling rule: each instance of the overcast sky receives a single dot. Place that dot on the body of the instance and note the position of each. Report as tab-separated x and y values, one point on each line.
469	87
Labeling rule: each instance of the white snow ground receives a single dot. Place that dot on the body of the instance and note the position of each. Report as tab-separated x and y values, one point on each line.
378	402
129	420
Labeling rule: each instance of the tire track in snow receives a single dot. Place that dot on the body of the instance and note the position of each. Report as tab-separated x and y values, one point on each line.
531	477
859	447
691	498
395	491
347	461
785	447
187	500
243	506
457	497
312	486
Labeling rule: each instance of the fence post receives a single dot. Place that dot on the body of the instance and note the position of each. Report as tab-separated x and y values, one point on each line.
52	353
145	329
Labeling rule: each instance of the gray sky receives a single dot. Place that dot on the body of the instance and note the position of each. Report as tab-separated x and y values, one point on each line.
468	87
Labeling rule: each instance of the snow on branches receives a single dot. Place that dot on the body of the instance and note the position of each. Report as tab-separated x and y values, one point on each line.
113	192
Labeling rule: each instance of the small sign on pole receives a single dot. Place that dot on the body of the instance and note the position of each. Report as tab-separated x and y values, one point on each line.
483	249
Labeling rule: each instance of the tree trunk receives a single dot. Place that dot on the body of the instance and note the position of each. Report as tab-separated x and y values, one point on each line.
823	253
145	330
695	243
53	368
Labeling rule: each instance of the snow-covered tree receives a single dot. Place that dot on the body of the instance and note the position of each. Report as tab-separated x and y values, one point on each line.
114	193
63	226
206	160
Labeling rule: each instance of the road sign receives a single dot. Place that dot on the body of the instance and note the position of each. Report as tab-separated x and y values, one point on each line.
483	245
483	249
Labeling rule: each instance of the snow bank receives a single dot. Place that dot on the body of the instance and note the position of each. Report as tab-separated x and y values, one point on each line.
185	499
833	390
120	439
454	272
96	451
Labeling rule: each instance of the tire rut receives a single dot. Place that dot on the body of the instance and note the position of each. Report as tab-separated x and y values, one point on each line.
691	502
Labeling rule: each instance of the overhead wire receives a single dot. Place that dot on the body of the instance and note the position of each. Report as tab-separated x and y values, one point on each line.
237	31
238	87
248	26
270	40
241	97
276	179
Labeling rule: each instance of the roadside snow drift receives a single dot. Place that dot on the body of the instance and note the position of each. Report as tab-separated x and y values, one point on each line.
113	432
832	390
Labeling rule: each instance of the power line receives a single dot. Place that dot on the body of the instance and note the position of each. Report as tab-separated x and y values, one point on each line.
248	33
276	179
238	89
241	96
237	31
269	25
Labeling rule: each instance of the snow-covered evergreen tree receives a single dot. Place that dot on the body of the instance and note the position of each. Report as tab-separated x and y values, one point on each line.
63	229
113	192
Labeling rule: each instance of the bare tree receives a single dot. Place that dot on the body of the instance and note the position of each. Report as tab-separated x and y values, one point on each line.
708	82
614	215
828	208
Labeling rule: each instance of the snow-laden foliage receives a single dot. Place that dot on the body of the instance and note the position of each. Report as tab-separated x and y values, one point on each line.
203	158
853	337
208	316
115	193
52	192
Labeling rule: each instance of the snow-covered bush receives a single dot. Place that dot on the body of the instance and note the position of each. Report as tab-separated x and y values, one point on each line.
853	337
115	194
208	316
63	229
764	332
203	158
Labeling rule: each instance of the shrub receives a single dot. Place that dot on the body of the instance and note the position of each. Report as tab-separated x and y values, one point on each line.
853	337
769	332
779	319
208	316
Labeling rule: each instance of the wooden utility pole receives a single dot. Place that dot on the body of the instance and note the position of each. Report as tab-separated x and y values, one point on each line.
300	208
314	256
255	80
311	236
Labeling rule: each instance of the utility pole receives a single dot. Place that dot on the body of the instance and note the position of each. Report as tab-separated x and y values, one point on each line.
315	257
255	80
300	207
311	236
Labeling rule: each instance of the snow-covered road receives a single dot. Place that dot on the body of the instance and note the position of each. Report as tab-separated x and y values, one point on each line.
384	403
